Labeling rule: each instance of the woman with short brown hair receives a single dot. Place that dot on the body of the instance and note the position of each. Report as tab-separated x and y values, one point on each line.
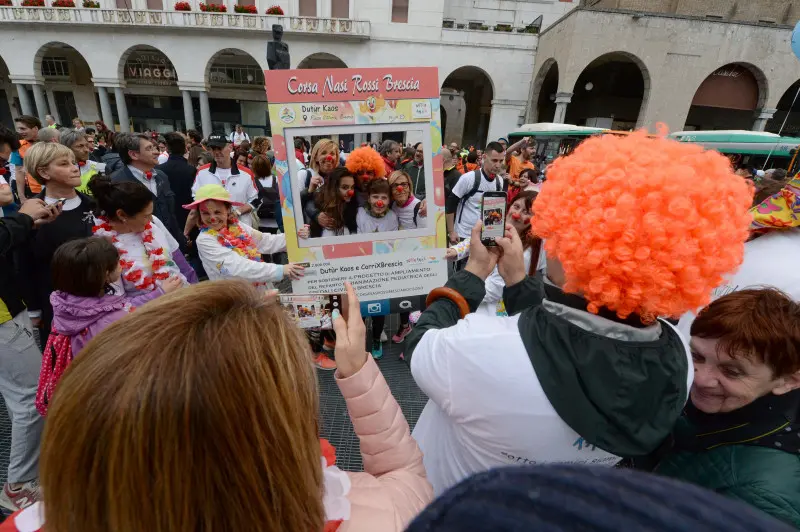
739	433
208	421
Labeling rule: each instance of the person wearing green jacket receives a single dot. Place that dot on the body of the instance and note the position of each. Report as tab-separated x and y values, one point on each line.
739	434
416	171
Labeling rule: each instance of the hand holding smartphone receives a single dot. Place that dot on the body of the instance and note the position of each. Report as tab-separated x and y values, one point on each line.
493	216
312	311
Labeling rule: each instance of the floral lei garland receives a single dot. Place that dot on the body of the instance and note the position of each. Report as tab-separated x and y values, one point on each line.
232	237
134	271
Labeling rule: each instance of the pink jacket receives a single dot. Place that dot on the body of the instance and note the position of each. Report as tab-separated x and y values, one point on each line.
393	489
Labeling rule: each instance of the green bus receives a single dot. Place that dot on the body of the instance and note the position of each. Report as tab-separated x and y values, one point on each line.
747	148
554	140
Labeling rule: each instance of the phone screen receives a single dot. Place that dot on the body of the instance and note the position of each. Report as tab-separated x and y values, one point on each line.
493	215
311	311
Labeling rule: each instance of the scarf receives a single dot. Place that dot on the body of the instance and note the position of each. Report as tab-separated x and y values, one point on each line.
769	421
779	211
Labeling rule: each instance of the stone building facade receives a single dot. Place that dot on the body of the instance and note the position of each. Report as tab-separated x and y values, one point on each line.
695	64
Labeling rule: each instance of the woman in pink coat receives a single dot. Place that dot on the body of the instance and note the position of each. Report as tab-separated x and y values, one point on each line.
199	412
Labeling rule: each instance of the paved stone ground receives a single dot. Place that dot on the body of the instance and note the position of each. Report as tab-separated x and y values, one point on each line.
336	426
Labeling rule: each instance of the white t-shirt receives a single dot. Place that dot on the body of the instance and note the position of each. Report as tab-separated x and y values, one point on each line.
369	224
405	215
238	138
770	260
466	220
135	251
487	408
240	186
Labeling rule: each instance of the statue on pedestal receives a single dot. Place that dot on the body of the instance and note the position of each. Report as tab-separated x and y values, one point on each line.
277	50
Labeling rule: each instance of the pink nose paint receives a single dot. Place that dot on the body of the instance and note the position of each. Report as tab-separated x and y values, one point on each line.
379	204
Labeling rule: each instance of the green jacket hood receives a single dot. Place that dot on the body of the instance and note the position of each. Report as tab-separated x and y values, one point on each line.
618	384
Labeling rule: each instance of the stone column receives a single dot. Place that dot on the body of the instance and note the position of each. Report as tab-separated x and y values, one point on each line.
51	102
762	117
188	112
105	107
41	101
562	101
505	117
24	100
122	110
205	113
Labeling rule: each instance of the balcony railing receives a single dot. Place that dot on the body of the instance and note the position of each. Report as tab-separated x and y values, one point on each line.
358	29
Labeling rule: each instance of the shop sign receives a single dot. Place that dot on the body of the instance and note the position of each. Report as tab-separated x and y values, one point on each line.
149	68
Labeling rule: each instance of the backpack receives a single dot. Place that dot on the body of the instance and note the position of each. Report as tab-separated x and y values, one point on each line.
475	186
269	198
416	212
57	356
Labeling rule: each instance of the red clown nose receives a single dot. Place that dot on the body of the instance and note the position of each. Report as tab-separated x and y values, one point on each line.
401	188
379	204
329	158
351	193
516	215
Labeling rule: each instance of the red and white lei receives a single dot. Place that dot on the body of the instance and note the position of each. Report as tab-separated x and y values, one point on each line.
134	271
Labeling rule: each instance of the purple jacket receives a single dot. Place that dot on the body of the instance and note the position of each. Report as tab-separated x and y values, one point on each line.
83	317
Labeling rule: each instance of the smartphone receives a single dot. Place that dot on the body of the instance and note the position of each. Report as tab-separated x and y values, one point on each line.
493	215
61	201
312	311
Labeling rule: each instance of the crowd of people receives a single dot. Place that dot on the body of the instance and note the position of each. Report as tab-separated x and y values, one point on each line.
640	311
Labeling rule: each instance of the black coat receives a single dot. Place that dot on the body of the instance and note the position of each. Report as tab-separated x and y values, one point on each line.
14	232
163	201
181	176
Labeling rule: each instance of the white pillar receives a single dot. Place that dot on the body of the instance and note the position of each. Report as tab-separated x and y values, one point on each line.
105	107
188	112
41	101
562	101
762	117
122	110
505	117
51	102
24	100
205	113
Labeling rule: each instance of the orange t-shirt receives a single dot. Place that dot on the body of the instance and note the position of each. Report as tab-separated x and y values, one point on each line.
516	166
32	183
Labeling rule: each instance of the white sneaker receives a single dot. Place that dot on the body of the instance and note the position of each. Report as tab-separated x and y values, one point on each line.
24	496
384	338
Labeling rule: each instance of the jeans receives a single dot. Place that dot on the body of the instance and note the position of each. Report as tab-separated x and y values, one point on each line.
20	363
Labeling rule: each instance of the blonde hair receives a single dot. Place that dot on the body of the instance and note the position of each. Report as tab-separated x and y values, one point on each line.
323	145
42	154
261	145
205	421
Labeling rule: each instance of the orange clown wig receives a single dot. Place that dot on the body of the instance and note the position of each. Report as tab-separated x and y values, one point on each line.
643	225
365	158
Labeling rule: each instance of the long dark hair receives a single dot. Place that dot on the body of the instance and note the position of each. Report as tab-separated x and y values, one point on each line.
330	202
128	196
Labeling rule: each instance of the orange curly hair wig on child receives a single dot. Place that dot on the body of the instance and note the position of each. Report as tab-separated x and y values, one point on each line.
365	158
643	225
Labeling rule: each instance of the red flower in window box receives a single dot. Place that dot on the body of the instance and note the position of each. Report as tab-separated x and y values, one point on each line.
182	6
245	9
63	3
5	2
213	8
275	10
33	3
91	4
